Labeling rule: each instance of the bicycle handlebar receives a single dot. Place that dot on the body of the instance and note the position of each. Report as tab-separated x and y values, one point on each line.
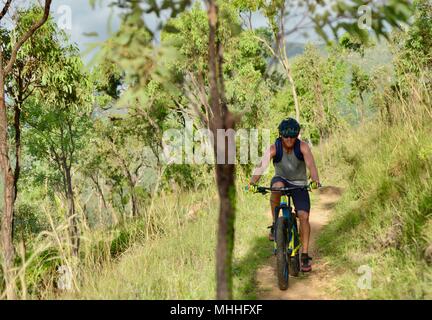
265	190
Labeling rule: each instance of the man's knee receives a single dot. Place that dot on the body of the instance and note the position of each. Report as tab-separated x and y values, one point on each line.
278	184
275	195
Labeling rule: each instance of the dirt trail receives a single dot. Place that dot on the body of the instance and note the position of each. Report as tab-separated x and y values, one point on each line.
306	286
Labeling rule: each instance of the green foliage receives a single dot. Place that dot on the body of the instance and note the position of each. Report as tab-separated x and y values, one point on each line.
106	126
355	44
413	49
179	263
320	86
28	221
58	116
324	14
383	215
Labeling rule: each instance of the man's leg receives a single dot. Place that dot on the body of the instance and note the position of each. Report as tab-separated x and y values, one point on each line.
274	202
302	203
304	230
305	234
275	198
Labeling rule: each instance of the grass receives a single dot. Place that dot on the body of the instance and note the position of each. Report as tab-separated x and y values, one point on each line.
180	263
384	219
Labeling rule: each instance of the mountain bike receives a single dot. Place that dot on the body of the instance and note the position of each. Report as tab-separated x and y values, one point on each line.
286	234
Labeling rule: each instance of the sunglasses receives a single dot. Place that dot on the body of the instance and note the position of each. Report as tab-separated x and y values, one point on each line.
287	135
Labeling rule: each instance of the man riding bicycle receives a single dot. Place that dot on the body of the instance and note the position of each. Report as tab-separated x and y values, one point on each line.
290	157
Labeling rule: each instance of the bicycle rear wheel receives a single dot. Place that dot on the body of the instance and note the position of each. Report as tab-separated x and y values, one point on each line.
294	265
281	253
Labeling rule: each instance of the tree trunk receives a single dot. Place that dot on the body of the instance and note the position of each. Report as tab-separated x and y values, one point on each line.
72	218
99	190
104	201
285	61
134	202
130	179
362	109
9	196
293	89
224	252
17	126
225	173
322	122
389	114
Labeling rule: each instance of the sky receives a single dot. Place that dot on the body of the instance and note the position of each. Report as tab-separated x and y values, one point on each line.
84	20
79	19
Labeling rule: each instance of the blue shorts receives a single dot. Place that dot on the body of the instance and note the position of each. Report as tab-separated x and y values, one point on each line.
300	196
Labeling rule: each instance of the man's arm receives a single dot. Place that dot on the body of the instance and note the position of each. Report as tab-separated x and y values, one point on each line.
310	161
264	163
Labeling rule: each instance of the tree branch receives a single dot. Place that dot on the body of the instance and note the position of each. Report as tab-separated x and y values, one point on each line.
200	89
5	9
26	36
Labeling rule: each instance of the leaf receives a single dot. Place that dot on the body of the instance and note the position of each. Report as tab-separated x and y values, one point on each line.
91	34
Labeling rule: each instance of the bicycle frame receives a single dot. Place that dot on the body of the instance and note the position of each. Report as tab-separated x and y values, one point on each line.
293	243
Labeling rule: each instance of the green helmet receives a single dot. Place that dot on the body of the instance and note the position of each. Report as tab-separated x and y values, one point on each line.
289	128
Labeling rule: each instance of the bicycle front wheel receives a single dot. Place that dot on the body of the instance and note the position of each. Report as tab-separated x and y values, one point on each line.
281	253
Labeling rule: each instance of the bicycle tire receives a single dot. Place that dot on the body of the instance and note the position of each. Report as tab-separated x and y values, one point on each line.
282	267
294	261
294	265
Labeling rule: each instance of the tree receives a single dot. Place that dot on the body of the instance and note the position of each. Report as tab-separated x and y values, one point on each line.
6	65
59	118
356	44
290	17
361	84
25	77
413	49
220	116
320	83
225	173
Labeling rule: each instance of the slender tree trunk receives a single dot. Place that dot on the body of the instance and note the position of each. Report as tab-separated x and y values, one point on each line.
362	109
322	122
100	192
225	173
389	114
285	61
134	202
104	201
130	179
17	126
72	218
9	195
294	93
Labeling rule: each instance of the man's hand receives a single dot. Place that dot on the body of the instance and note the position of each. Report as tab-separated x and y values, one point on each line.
315	185
251	187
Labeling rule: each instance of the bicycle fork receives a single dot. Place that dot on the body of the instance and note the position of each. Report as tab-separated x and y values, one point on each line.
293	243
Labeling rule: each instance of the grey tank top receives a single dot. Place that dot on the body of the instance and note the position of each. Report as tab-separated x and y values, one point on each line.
292	169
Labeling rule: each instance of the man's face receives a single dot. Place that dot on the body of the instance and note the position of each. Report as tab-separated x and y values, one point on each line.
289	142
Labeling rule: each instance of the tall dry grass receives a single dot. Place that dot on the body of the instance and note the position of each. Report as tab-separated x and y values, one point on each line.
385	216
